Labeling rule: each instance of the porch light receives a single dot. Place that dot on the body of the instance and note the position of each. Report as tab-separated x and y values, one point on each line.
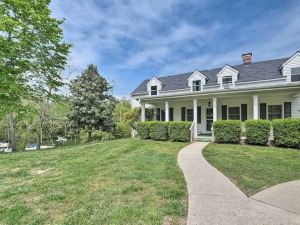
209	104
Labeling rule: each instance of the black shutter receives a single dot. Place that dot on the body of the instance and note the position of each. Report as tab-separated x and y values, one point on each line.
171	114
244	112
199	114
183	113
163	115
263	111
158	114
287	109
224	112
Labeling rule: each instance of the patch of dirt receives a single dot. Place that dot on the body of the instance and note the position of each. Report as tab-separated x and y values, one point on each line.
40	171
169	221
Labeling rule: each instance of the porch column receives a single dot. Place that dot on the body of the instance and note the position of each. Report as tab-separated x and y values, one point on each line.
255	107
143	112
167	111
195	105
215	113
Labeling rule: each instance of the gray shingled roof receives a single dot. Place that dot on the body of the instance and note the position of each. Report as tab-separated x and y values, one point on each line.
256	71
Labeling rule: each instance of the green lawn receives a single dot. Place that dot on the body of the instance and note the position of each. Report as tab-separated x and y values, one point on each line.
254	168
127	181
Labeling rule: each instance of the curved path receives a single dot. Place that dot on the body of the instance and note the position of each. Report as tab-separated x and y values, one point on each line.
214	199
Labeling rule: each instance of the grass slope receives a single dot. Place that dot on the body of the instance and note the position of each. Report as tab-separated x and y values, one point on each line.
254	168
127	181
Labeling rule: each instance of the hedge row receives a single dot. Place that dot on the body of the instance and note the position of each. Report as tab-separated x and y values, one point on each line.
286	131
258	131
163	131
227	131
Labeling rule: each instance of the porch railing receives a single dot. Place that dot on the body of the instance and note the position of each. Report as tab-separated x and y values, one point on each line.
192	129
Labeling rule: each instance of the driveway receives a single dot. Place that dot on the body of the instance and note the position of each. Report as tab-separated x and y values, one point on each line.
214	199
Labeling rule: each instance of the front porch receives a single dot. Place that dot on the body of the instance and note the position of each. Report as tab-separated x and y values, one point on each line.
203	110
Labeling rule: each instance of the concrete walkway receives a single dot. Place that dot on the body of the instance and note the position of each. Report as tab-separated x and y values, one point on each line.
214	199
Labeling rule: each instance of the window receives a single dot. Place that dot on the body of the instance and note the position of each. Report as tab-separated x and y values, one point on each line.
153	90
287	109
190	115
295	74
196	85
274	112
227	80
234	113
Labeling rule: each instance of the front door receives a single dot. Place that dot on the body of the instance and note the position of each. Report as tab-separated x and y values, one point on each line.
209	119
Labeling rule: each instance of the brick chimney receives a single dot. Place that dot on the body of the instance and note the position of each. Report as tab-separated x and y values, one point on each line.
247	58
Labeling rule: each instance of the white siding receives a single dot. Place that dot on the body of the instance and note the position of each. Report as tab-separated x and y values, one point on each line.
294	63
296	106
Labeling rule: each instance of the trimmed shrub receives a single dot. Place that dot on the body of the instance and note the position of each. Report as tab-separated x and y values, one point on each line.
180	131
143	129
258	131
98	135
227	131
159	130
287	132
122	130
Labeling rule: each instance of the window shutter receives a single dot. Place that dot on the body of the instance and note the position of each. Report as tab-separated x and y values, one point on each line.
183	114
287	109
171	114
224	112
244	112
158	114
263	111
163	115
199	114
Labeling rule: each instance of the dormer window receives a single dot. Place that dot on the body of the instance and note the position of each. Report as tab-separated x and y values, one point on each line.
153	90
295	72
196	81
227	80
196	85
227	77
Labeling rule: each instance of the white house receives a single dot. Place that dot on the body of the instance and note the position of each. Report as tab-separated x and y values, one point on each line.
253	90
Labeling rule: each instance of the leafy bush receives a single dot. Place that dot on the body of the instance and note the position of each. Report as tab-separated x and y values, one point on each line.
143	129
122	130
287	132
159	130
99	135
258	131
227	131
179	131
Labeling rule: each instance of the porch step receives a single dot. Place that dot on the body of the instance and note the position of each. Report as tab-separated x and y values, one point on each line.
205	138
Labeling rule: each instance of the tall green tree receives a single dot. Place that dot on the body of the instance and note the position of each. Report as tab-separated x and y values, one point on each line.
91	104
32	54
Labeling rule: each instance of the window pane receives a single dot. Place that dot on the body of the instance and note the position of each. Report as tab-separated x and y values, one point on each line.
274	112
196	85
234	113
227	80
153	90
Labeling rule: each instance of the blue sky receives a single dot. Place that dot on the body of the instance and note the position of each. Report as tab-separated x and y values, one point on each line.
132	40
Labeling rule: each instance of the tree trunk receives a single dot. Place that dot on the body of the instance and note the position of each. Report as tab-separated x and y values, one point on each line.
12	131
89	136
39	134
